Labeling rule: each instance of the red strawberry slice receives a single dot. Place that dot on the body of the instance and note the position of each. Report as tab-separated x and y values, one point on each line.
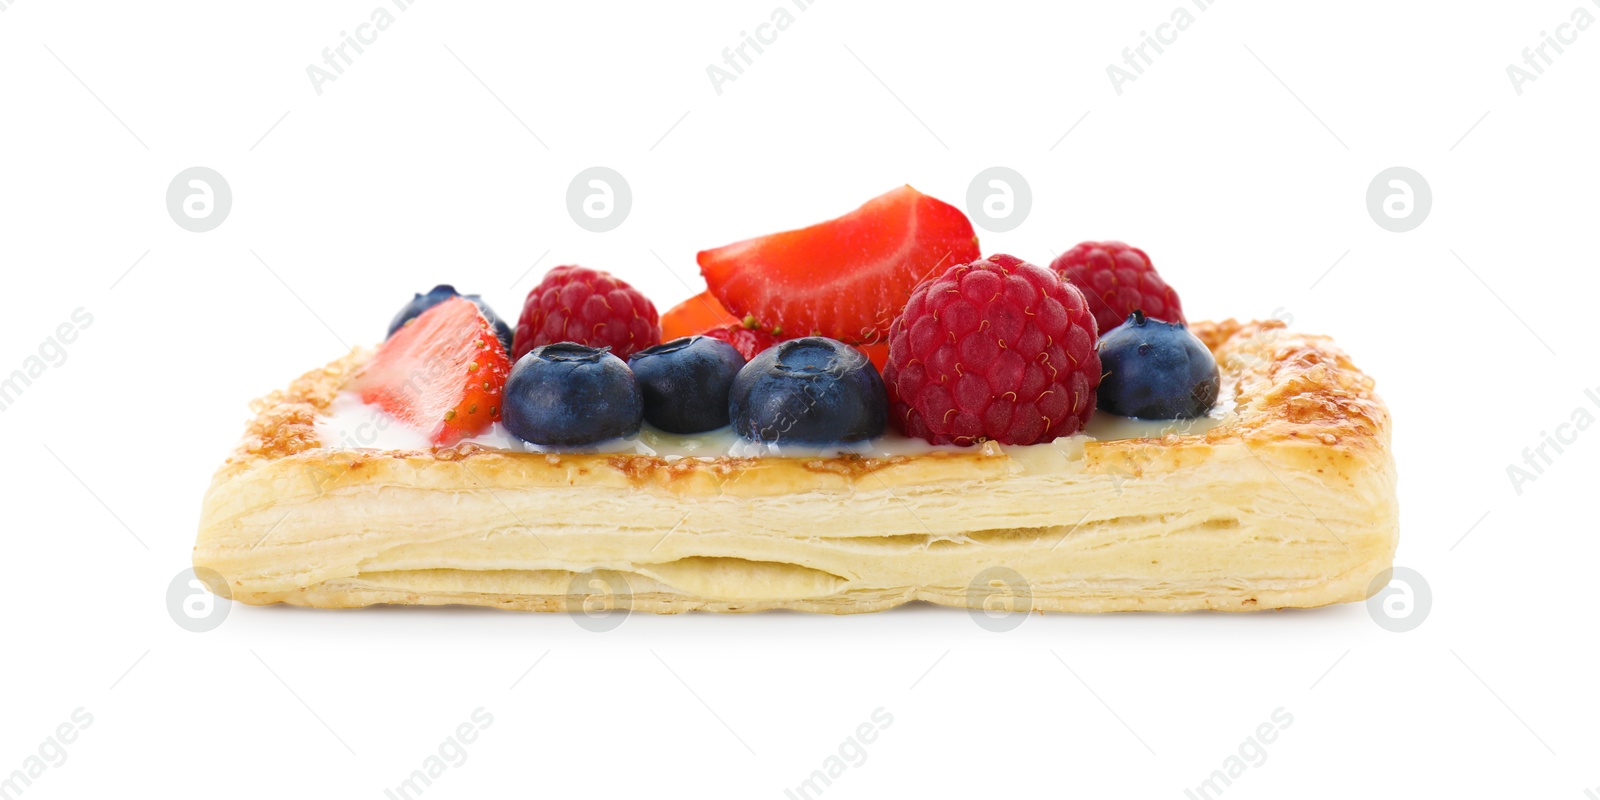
443	373
847	278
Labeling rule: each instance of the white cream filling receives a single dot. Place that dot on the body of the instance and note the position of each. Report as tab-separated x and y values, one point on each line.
350	424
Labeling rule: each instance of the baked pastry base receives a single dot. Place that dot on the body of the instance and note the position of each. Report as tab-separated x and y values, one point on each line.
1288	502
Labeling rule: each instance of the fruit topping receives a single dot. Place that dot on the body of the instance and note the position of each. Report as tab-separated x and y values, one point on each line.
571	394
812	390
997	349
441	293
1156	370
695	315
878	352
1117	279
846	278
588	307
443	373
747	337
685	383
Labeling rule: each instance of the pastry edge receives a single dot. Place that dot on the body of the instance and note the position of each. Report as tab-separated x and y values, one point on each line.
1352	587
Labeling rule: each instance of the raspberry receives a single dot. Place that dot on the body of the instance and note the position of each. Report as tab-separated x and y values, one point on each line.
588	307
997	349
749	339
1118	280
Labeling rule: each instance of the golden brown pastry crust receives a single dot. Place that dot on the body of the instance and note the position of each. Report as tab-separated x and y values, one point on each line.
1289	501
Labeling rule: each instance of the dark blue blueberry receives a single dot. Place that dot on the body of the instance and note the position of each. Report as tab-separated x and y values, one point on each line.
441	293
685	383
808	391
568	394
1156	370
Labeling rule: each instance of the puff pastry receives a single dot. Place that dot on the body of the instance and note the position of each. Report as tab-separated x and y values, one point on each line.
1288	502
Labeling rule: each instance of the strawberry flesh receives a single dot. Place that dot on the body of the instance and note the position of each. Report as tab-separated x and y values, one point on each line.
847	278
748	341
443	373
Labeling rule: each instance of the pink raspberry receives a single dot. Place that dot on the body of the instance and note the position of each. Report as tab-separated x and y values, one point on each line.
589	307
997	349
1117	280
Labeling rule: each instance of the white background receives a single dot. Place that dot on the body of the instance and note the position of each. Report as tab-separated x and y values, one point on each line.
1240	160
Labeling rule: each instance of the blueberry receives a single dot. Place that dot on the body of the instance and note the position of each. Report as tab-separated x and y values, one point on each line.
441	293
1156	370
569	394
685	383
809	391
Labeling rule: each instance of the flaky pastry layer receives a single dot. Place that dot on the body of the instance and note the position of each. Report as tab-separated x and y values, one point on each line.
1288	502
